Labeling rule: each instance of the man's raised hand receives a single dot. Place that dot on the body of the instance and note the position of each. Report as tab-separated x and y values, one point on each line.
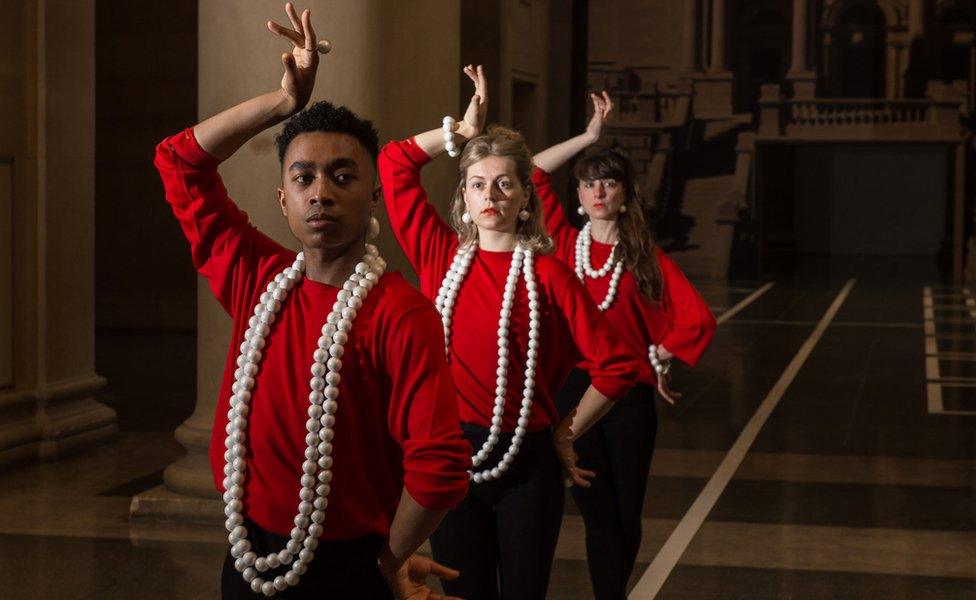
300	66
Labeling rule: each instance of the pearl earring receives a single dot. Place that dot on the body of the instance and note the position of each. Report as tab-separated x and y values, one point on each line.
524	215
623	208
449	137
374	228
580	211
466	218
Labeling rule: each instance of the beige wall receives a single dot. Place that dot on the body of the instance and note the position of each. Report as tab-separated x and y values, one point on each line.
636	32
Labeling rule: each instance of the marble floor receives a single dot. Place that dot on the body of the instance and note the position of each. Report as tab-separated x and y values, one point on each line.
825	447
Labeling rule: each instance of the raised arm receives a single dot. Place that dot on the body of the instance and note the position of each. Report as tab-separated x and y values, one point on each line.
223	134
556	156
223	244
427	240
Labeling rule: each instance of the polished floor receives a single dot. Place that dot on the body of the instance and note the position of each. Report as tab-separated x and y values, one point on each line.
825	447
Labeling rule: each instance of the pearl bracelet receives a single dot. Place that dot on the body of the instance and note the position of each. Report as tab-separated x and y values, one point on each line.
449	137
661	367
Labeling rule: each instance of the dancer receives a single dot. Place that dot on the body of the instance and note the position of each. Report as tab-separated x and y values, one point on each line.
339	401
655	311
515	321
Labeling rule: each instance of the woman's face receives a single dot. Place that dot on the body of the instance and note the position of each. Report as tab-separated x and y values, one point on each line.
493	194
601	198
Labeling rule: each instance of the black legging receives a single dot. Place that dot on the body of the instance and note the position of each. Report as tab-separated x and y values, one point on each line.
340	569
619	448
502	536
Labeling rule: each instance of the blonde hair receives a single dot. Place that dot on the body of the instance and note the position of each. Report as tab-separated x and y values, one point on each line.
506	143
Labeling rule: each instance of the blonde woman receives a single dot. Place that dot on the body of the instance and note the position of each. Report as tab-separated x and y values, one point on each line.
516	320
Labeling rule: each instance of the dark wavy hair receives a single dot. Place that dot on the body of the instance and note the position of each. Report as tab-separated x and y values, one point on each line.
329	118
636	244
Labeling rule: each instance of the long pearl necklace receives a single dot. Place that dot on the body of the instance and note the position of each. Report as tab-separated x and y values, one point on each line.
522	260
317	468
583	242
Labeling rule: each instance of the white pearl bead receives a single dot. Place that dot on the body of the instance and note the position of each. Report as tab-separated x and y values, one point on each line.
292	577
268	589
273	562
261	564
280	584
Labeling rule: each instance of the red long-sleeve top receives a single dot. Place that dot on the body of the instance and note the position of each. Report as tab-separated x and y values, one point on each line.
397	424
681	322
572	329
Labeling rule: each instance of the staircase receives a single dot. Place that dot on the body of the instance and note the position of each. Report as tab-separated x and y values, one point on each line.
704	253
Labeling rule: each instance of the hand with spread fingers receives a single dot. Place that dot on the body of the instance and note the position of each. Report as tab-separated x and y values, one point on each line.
562	440
409	582
301	64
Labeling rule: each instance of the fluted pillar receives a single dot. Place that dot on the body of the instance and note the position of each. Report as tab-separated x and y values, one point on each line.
382	54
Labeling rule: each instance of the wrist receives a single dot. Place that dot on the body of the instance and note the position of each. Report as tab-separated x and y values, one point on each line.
387	562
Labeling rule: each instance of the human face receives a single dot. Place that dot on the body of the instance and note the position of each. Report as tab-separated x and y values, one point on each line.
493	194
328	189
601	198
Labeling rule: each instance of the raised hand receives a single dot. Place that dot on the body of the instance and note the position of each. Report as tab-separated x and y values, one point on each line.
602	105
474	117
410	580
300	66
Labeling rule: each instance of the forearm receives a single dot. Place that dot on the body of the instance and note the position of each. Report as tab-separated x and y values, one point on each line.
432	142
411	525
223	134
592	406
556	156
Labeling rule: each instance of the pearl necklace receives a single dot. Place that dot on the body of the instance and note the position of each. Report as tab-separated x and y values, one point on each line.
522	259
317	468
583	242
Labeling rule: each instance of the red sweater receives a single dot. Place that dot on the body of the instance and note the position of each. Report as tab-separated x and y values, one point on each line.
571	330
397	423
682	322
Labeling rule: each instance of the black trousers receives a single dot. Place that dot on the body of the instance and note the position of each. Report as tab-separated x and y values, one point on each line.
340	569
502	536
619	448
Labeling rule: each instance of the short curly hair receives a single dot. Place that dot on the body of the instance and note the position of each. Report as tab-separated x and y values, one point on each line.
327	117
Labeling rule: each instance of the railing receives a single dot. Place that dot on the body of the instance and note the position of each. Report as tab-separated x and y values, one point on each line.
937	117
849	112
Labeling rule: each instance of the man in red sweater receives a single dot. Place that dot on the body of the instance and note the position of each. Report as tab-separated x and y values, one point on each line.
336	375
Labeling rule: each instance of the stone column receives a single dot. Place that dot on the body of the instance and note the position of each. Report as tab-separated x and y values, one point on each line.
380	59
50	408
717	63
713	90
689	48
800	74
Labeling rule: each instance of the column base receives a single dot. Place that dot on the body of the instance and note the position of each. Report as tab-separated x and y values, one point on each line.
804	84
51	422
713	95
162	505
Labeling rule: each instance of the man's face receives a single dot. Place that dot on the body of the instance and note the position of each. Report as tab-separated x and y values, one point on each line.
328	189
